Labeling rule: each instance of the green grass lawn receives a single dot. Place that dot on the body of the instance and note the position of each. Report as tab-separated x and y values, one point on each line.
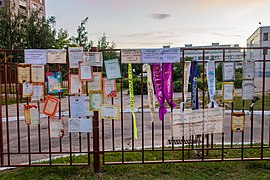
210	170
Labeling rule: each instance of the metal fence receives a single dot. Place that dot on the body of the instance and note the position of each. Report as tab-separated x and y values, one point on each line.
25	145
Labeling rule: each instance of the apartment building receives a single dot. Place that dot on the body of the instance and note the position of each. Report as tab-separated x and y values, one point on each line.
260	38
234	54
24	7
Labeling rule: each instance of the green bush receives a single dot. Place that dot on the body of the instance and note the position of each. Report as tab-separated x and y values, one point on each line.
137	86
238	83
125	83
177	86
218	85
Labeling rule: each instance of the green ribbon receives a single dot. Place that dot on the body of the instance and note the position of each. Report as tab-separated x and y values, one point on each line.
131	97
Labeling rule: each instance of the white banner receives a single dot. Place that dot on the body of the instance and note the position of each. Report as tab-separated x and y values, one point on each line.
195	122
150	88
186	79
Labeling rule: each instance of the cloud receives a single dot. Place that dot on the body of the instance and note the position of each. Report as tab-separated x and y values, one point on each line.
159	16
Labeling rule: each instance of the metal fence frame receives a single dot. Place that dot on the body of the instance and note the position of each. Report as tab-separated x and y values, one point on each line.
96	148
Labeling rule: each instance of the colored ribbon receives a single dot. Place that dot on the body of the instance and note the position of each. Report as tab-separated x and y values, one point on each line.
158	84
131	97
186	79
150	89
194	86
211	82
167	84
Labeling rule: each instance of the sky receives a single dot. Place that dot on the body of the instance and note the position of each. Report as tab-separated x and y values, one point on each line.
154	23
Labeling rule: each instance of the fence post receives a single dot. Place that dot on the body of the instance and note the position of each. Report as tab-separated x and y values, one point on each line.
96	142
1	127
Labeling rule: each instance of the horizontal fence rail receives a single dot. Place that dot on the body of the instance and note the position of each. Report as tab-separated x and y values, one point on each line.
112	141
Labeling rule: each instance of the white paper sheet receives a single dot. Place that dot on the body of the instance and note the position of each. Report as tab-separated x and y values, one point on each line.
248	69
96	83
38	92
75	55
35	56
248	89
86	73
55	128
151	56
112	69
130	56
170	55
37	73
109	86
109	112
57	56
195	122
93	58
27	89
96	100
34	116
228	71
75	84
76	106
80	125
228	91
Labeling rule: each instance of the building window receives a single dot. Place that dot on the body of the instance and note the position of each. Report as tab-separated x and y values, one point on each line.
251	42
22	7
35	6
265	36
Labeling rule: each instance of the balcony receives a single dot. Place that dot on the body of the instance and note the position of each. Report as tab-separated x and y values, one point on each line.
23	12
23	3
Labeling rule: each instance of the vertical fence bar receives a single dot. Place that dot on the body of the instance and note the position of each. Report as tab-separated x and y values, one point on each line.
243	132
207	135
39	135
96	142
153	135
122	115
162	125
88	149
132	123
18	114
183	99
142	84
171	120
1	126
103	140
152	124
28	136
60	109
263	99
49	128
6	103
113	141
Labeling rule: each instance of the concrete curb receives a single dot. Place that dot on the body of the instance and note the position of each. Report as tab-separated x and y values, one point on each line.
137	110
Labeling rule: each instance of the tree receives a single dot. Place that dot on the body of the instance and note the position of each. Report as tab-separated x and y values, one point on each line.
219	72
11	34
81	39
62	41
103	44
39	32
18	31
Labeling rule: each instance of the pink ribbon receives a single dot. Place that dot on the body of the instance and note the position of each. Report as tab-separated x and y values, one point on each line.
168	85
163	86
158	81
